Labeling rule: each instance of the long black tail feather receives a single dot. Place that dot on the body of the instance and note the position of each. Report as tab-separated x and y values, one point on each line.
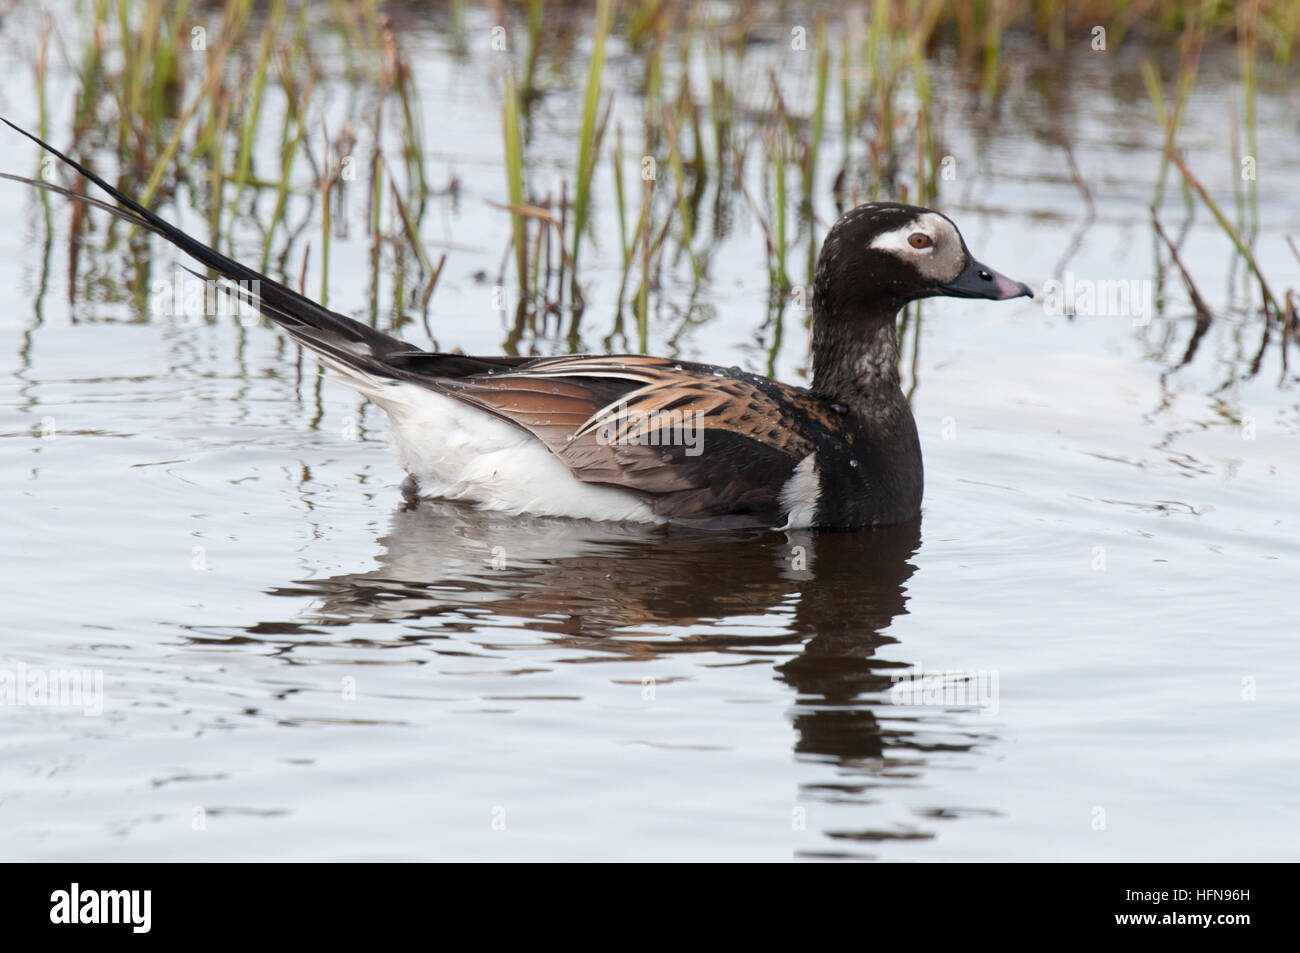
318	328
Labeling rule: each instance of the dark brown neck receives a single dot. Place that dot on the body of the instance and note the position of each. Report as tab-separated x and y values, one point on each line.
855	356
855	364
855	361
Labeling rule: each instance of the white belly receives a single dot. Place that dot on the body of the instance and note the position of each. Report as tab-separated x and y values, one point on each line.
457	452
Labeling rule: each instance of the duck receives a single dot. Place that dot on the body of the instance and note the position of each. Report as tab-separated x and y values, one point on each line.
637	438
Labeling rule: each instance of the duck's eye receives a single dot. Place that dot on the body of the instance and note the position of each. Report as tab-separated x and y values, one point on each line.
920	240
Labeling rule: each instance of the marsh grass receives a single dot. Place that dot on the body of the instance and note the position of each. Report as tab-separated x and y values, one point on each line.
181	95
590	136
707	134
1199	22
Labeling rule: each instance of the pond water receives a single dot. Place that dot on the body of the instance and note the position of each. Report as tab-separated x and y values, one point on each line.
296	665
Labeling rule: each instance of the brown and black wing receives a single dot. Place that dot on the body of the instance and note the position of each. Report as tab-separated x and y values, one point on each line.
698	442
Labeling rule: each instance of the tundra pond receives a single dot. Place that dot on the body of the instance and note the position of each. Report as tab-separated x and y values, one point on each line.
238	641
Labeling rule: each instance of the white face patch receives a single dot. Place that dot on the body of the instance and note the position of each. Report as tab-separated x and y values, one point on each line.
943	261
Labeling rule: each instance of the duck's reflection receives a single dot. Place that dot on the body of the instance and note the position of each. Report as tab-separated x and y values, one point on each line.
610	590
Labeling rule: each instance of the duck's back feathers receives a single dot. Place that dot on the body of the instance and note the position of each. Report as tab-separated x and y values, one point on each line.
695	442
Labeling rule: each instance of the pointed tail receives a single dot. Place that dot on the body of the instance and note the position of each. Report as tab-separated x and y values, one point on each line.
345	344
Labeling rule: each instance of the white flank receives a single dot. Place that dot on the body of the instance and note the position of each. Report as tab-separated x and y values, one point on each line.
458	452
800	494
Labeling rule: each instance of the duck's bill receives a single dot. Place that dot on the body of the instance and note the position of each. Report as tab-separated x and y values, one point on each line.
981	281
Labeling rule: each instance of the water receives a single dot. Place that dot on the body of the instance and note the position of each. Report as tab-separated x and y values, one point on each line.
296	665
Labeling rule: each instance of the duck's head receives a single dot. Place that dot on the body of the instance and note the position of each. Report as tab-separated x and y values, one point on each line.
881	255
